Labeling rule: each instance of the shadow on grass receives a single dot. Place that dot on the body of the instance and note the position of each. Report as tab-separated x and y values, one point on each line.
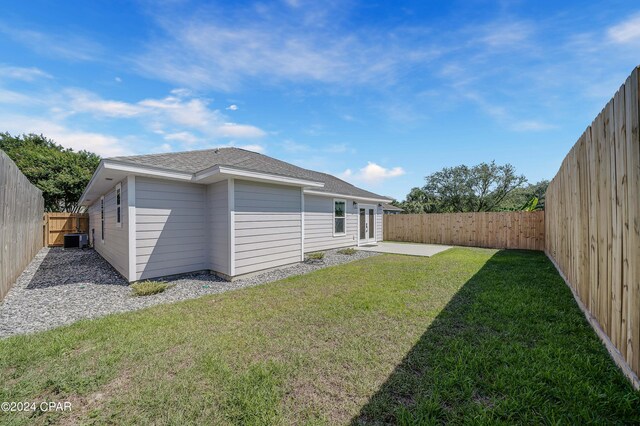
511	346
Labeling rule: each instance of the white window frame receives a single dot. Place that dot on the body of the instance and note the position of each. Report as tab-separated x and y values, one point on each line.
102	218
119	205
333	214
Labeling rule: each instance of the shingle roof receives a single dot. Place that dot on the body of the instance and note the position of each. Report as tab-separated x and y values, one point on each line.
391	207
195	161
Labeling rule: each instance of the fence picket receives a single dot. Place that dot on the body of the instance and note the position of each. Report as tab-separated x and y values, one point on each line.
517	230
593	224
59	224
21	208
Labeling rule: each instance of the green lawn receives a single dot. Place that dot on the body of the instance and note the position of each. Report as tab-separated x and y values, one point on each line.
470	335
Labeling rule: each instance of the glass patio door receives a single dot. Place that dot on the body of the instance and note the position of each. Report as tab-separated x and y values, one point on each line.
366	225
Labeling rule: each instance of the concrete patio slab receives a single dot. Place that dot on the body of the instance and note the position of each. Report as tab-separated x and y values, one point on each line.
411	249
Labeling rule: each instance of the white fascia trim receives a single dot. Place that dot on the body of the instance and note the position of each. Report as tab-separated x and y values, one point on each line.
131	233
91	182
350	197
132	169
146	170
141	170
251	175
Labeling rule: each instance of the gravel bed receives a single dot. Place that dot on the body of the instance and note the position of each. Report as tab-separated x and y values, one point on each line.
63	286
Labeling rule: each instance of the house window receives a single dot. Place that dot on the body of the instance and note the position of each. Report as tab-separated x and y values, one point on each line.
102	219
339	217
118	206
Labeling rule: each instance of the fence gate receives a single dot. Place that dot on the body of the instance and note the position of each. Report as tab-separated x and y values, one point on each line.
58	224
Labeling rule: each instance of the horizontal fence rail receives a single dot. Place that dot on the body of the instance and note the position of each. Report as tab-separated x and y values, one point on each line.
58	224
511	230
21	209
593	223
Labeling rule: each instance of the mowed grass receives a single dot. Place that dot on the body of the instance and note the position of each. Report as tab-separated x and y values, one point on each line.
470	335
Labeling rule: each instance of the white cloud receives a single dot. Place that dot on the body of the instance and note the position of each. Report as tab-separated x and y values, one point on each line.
337	148
532	126
232	107
626	31
293	3
347	173
185	137
170	114
103	145
180	121
196	114
191	113
13	98
165	147
506	34
222	51
373	173
57	46
506	118
182	92
118	80
254	147
83	101
234	130
24	74
295	147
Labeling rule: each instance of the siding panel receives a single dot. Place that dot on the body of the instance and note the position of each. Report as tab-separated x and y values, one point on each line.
252	239
218	215
271	243
267	226
171	228
115	247
318	224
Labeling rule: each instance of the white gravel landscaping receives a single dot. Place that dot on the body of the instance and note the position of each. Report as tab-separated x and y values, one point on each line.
63	286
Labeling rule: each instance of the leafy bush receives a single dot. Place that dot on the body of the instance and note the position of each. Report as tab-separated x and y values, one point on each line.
61	173
315	256
348	251
147	288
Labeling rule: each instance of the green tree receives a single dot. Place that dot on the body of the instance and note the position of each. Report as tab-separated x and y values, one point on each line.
61	173
417	201
523	198
465	189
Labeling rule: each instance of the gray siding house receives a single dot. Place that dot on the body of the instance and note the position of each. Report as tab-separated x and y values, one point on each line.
391	209
226	210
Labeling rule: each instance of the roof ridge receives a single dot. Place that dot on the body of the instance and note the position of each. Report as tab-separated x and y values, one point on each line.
177	152
291	164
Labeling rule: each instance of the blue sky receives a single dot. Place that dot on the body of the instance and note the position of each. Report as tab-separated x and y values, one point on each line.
379	93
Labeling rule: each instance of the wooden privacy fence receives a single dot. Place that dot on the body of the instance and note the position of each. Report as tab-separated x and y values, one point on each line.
593	224
512	230
21	208
58	224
